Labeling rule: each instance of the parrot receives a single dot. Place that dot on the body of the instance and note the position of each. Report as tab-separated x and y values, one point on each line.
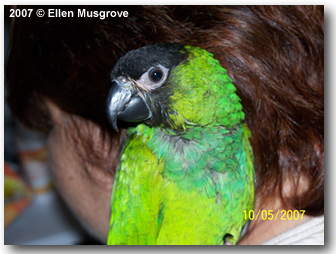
186	172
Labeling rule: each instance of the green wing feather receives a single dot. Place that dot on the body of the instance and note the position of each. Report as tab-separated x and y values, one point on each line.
136	195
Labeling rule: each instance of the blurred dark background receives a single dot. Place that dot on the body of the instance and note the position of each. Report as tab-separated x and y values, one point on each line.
34	213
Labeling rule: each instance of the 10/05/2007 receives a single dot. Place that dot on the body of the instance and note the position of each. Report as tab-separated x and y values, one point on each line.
272	215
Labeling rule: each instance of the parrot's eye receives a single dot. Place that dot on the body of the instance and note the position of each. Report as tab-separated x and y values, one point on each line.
155	75
153	78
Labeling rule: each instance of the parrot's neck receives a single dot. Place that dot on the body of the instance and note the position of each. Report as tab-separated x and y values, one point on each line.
192	150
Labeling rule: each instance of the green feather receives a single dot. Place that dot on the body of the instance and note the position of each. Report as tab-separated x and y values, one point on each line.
190	183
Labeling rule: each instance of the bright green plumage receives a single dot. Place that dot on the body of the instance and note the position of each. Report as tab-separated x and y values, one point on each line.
188	180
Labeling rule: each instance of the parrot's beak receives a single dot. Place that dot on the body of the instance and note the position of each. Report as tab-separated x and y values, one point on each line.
125	104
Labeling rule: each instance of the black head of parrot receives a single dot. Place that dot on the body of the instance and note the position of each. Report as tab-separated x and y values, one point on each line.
138	91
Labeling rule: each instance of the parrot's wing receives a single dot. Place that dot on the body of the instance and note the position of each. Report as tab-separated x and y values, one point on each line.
136	201
234	179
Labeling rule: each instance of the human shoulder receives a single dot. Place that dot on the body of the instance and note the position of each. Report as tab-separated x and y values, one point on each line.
310	232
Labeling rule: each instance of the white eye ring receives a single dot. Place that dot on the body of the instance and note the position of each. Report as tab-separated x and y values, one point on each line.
148	83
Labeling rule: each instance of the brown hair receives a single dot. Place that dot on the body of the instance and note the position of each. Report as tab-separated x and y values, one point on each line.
274	55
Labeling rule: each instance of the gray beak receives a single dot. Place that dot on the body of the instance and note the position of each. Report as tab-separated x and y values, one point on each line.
124	104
